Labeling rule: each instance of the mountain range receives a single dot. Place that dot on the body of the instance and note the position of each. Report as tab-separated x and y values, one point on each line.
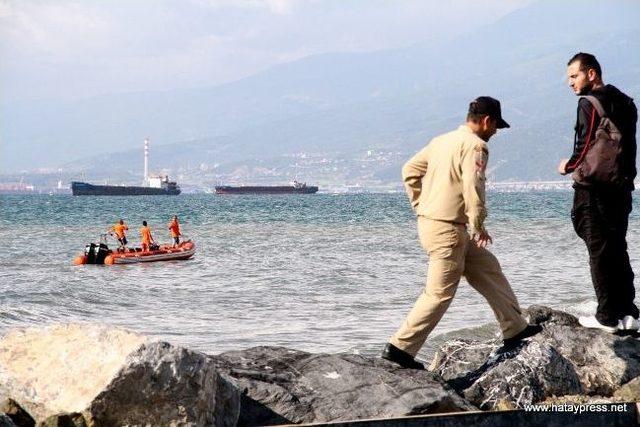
342	106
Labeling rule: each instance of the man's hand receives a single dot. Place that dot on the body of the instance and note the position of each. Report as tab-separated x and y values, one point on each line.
482	239
563	166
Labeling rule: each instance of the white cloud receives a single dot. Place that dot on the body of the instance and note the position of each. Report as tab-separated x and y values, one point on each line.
55	29
281	7
277	7
145	44
5	9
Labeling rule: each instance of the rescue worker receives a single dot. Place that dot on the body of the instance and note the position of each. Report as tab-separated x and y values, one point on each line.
119	230
145	237
174	228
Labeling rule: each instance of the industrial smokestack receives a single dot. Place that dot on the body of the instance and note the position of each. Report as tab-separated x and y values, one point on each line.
146	161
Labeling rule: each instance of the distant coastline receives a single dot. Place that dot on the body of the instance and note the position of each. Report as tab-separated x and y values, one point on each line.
20	188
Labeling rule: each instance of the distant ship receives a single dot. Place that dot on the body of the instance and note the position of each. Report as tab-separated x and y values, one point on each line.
294	188
152	186
165	188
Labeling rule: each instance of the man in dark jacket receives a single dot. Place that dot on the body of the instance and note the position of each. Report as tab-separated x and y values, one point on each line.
600	213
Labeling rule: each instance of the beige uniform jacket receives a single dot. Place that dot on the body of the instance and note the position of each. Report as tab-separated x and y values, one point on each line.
446	179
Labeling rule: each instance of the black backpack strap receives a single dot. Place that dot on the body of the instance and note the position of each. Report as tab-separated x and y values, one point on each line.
596	104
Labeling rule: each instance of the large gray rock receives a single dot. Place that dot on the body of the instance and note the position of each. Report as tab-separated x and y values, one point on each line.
287	386
565	359
61	368
5	421
630	392
162	385
63	420
18	415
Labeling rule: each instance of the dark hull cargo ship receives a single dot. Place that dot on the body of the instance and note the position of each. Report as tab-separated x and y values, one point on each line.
154	185
294	188
86	189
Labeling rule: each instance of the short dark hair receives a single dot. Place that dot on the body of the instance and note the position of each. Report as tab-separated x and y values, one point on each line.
144	223
475	117
587	61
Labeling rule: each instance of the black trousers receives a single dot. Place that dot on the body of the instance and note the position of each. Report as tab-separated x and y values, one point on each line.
601	217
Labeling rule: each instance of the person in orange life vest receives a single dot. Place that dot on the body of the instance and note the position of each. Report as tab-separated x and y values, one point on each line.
174	227
119	230
145	237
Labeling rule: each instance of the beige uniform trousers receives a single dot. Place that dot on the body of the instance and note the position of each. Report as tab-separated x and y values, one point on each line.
452	254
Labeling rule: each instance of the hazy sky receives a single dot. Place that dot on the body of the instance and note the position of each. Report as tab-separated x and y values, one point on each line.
65	48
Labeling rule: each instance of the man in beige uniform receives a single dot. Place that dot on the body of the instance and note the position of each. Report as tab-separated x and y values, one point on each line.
445	182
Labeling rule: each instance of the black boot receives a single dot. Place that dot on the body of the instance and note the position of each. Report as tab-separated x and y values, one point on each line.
402	358
527	332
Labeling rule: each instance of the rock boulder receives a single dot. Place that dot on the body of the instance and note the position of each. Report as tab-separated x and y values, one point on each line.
281	385
165	385
16	413
564	359
5	421
74	419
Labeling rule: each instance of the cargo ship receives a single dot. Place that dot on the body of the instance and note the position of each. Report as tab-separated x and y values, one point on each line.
164	188
294	188
152	185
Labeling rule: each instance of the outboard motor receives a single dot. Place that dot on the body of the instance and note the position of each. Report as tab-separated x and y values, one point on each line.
96	253
102	251
89	253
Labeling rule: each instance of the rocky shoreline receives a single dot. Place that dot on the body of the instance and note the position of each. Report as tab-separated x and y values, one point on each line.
159	384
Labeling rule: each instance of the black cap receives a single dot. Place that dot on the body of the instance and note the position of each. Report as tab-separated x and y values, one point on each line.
489	106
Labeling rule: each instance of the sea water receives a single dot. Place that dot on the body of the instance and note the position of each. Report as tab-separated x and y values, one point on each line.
321	273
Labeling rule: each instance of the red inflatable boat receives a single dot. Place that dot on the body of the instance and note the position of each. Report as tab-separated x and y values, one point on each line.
101	254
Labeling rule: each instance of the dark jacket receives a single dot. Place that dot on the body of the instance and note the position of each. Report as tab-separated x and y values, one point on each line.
622	111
